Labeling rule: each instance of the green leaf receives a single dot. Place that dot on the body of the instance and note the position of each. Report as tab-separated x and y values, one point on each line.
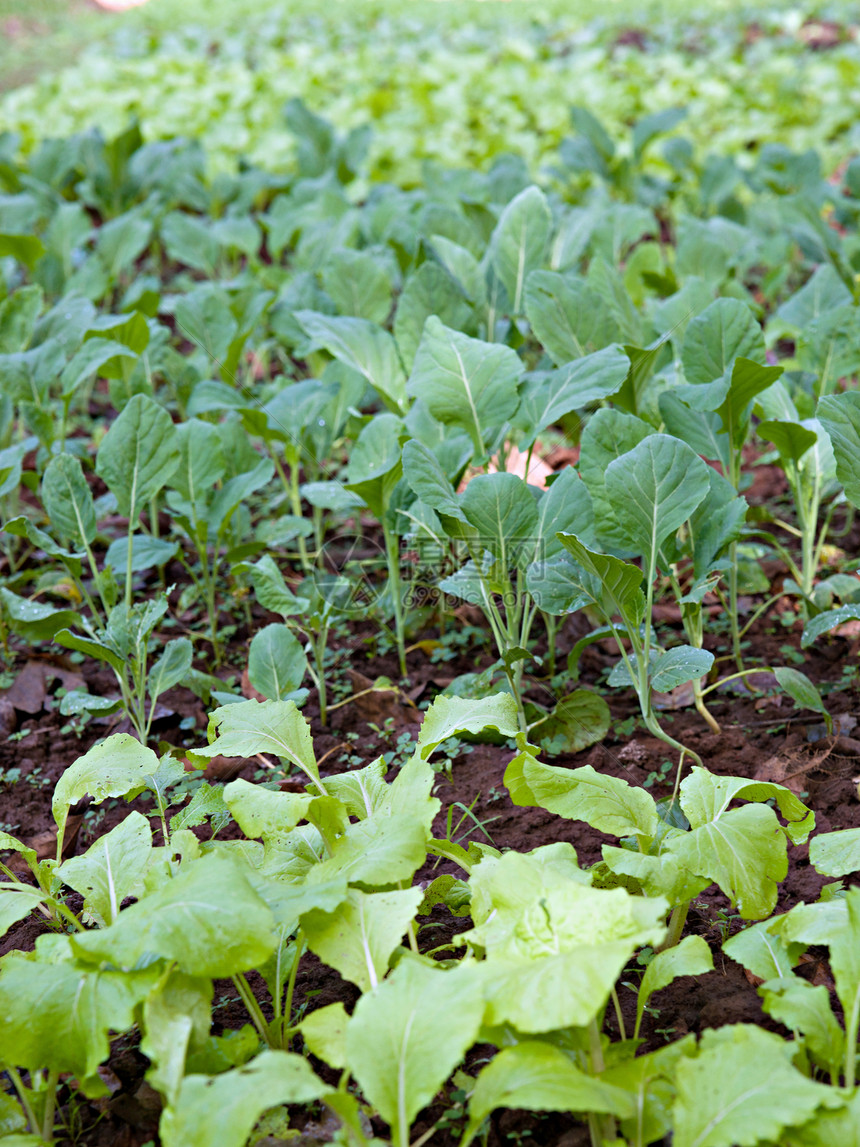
519	241
678	666
741	1089
171	668
359	284
277	664
34	620
502	510
568	316
68	1029
429	290
27	249
378	851
790	438
580	719
763	953
464	381
110	869
836	853
359	937
259	812
17	901
448	716
607	803
547	399
801	690
176	1017
839	414
365	347
138	455
221	1110
806	1010
324	1032
18	314
829	1127
824	622
539	1077
613	585
654	489
208	919
397	1049
118	767
146	552
429	482
723	332
692	957
68	501
251	727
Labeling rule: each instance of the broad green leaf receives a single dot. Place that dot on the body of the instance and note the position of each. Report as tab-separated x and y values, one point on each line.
790	438
762	952
365	347
208	919
34	620
504	514
567	316
429	290
397	1049
16	902
378	851
705	797
741	1089
259	812
565	508
748	380
118	767
374	467
68	501
801	690
464	381
536	1076
547	399
832	618
251	727
18	314
613	585
27	249
836	853
580	719
692	957
823	292
827	1128
448	716
171	668
607	803
657	875
723	332
678	666
359	284
92	648
806	1010
138	455
201	461
609	434
519	242
102	356
146	553
176	1016
359	937
429	482
362	791
270	588
654	489
110	869
839	414
324	1032
58	1016
277	664
221	1110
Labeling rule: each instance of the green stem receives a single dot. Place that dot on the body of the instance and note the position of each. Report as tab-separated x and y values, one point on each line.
129	557
851	1025
676	926
23	1094
616	1003
734	623
50	1104
252	1007
291	983
392	557
601	1128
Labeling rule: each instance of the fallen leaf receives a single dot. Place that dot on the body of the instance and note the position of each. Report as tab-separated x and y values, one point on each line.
27	691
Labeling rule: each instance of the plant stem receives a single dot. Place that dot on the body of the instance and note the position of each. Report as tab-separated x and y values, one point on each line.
252	1007
24	1097
291	983
50	1104
676	926
851	1024
601	1128
392	557
616	1003
733	605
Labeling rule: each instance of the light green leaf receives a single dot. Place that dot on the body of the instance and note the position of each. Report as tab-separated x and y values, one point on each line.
679	665
324	1032
692	957
546	400
723	332
448	716
171	668
208	919
359	284
740	1090
429	290
817	626
176	1016
762	952
654	489
839	414
613	585
539	1077
277	664
259	812
138	455
109	870
806	1009
801	690
607	803
221	1110
118	767
519	242
836	853
464	381
395	1046
251	727
68	501
502	510
358	938
365	347
16	902
580	719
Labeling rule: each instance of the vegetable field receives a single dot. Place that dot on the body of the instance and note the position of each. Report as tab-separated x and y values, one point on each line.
429	604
